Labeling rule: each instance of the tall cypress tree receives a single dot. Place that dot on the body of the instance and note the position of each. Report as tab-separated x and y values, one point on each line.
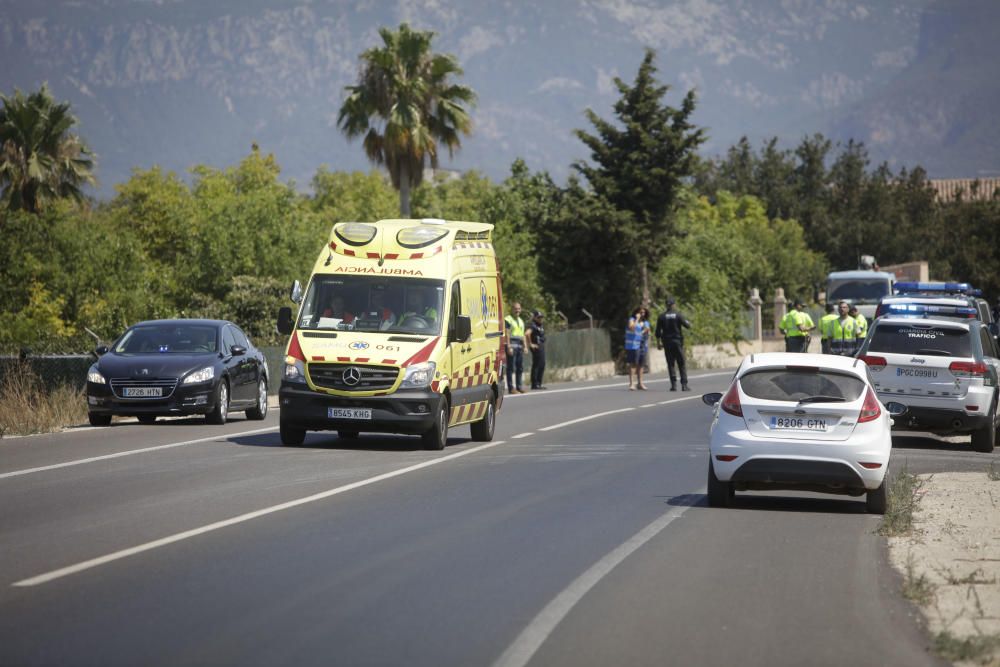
641	161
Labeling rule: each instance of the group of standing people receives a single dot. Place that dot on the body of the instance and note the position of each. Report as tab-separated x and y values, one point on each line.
519	337
842	329
669	334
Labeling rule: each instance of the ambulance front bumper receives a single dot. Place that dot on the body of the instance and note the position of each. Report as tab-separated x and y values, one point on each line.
409	411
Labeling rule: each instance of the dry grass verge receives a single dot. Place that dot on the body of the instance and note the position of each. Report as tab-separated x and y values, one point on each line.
904	493
26	406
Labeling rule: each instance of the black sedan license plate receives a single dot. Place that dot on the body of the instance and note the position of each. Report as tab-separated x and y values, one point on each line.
798	423
349	413
142	392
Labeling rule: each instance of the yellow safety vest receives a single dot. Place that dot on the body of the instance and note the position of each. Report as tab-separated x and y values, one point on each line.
516	325
862	326
826	325
845	329
792	321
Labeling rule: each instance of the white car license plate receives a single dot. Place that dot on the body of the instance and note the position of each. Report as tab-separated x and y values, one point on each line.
798	423
142	392
349	413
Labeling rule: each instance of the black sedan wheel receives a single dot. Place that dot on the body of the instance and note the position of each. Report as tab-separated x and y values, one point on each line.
259	411
99	420
221	410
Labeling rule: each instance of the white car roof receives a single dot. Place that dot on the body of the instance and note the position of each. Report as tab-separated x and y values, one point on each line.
825	361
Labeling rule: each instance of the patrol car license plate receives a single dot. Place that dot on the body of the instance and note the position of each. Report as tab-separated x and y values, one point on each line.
142	392
349	413
798	423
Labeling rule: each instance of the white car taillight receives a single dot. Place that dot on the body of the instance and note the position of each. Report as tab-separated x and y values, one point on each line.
731	401
870	409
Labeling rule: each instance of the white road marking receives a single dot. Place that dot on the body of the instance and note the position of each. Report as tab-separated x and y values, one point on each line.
648	405
187	534
678	400
520	652
67	464
522	435
587	418
616	385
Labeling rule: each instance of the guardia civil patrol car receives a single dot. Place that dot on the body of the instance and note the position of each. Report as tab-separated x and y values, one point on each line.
946	372
399	330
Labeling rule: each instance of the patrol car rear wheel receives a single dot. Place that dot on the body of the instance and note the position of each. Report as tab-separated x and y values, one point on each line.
984	439
482	430
437	437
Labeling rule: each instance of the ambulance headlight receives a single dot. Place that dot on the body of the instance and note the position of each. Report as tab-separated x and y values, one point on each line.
418	375
94	375
295	370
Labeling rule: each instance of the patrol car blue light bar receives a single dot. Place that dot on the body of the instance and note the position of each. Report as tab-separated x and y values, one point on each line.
928	309
960	288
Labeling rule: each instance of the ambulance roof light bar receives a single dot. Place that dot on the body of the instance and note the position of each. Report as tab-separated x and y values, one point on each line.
940	287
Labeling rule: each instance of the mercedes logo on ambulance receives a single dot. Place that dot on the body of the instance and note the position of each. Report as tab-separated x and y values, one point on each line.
352	376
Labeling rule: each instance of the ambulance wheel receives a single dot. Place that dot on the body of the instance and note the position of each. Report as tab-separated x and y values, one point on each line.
291	435
437	437
482	430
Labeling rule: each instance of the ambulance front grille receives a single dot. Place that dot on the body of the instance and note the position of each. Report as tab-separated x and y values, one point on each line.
352	377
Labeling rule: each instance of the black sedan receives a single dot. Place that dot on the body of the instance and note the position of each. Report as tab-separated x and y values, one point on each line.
178	367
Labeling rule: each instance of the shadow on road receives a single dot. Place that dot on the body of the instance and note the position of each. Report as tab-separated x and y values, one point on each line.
929	441
322	440
758	500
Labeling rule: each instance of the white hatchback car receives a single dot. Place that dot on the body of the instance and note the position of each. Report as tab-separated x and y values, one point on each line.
807	422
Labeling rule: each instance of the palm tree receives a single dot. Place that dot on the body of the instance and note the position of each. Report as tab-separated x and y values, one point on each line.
404	105
40	160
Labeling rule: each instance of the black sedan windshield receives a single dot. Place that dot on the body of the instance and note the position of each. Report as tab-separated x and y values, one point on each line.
169	339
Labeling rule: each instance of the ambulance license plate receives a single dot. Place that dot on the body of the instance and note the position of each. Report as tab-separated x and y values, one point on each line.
798	423
349	413
142	392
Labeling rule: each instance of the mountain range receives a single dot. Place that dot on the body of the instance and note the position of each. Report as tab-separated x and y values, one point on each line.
182	82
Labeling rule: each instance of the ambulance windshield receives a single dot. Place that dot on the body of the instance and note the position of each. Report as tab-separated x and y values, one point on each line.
368	303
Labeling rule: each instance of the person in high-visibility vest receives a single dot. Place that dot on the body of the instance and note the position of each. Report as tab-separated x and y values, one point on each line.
843	332
515	349
796	326
825	330
861	329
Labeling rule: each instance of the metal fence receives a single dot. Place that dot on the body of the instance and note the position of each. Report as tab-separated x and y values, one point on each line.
53	370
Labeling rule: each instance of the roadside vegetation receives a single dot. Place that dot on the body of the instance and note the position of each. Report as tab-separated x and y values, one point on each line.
27	406
643	217
904	495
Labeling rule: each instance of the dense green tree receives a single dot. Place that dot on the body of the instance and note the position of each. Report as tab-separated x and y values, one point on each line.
345	197
727	248
404	104
41	160
640	162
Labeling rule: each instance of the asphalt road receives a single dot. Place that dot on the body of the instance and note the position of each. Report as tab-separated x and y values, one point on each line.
579	536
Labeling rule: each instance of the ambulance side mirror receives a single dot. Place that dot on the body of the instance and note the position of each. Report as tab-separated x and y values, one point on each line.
285	321
296	293
463	329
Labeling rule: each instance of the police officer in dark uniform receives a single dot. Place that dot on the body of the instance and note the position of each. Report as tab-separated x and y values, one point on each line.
534	336
670	336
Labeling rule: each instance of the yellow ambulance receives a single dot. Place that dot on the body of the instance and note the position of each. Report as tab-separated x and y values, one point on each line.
399	330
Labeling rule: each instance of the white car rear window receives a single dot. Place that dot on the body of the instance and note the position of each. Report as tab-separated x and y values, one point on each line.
921	339
792	384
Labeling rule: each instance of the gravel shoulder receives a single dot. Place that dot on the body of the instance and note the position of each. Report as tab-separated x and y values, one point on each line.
951	564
